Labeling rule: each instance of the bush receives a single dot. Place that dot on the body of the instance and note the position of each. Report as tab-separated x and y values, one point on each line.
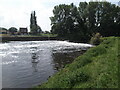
95	40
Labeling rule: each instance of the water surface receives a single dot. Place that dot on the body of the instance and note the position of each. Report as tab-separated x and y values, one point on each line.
30	63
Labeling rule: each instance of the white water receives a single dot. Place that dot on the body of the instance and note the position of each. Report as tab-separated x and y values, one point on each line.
17	69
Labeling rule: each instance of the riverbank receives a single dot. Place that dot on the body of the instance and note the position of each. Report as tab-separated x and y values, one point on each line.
36	38
97	68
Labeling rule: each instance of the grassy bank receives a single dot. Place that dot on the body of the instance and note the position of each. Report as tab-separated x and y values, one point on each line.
97	68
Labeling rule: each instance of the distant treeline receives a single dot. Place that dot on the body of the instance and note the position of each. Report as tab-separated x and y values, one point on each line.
82	22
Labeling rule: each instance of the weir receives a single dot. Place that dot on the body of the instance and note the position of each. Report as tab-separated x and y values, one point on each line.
29	38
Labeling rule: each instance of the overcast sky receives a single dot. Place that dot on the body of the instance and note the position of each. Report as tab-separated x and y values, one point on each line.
16	13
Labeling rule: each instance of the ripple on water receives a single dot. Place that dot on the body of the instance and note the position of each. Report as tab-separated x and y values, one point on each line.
18	69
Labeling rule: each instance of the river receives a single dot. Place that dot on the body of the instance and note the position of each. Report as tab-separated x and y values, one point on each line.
29	63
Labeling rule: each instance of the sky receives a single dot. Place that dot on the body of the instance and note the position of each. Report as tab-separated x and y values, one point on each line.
16	13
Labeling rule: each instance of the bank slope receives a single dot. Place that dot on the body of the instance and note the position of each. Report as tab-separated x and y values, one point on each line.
97	68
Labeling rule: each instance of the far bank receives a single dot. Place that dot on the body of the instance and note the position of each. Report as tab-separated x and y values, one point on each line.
35	38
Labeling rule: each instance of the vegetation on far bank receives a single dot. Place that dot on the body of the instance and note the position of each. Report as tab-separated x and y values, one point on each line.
80	23
97	68
39	35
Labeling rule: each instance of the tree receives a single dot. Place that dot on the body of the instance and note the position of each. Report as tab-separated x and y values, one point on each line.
35	29
108	19
102	17
13	30
79	23
58	21
67	23
2	28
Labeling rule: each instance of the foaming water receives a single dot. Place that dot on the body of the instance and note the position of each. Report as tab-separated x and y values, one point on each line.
29	63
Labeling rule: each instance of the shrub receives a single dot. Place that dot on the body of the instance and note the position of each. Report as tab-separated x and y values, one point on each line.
95	40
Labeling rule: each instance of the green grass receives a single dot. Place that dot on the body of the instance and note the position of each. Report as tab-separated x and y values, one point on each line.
97	68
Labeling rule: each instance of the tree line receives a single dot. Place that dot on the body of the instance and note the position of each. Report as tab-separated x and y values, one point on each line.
35	29
82	22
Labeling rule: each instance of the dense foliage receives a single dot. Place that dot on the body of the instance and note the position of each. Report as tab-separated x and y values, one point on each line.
96	39
13	30
35	29
80	23
2	28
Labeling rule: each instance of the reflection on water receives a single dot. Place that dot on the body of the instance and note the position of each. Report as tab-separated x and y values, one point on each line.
30	63
34	55
35	58
34	65
61	59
